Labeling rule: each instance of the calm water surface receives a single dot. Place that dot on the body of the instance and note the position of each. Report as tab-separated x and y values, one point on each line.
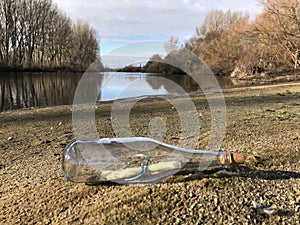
53	89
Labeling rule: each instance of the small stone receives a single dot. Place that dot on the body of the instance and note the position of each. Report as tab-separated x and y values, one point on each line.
263	209
10	138
216	201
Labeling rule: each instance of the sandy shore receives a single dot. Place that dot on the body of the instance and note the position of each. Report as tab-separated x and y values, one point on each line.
263	122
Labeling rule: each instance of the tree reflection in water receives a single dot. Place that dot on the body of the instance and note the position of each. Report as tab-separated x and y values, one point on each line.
53	89
37	90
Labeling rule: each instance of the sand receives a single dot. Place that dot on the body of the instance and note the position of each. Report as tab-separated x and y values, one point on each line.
263	123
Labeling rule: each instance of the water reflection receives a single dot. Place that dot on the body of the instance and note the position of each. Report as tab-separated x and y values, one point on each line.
37	90
129	85
186	82
48	89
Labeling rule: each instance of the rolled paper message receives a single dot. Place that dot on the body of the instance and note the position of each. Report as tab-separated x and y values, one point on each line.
161	166
122	174
132	172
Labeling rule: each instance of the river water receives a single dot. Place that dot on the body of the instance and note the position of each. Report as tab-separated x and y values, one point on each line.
28	90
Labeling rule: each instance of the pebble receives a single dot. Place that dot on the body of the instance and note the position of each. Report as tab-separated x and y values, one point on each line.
216	201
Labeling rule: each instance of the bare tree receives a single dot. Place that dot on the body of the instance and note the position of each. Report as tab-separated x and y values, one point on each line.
279	26
7	11
219	21
35	33
218	41
172	44
84	49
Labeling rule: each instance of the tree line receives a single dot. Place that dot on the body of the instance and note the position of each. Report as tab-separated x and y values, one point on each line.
35	34
232	44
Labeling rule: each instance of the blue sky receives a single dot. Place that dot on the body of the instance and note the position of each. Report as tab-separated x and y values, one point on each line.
121	22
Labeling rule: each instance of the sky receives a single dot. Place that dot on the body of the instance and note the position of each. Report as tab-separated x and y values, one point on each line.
121	22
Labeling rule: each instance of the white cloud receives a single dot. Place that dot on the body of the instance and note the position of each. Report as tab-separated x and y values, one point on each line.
148	17
120	22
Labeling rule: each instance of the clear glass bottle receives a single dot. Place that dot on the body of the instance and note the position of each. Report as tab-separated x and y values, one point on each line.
135	160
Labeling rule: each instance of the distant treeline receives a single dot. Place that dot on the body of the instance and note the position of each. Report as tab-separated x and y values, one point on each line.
36	35
232	44
155	65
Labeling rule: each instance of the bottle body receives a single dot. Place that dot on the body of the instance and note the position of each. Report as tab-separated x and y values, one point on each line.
129	160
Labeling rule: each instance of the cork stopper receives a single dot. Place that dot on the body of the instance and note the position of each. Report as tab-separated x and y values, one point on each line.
232	158
238	158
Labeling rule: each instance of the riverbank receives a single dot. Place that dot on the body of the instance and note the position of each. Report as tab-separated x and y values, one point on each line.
262	122
264	78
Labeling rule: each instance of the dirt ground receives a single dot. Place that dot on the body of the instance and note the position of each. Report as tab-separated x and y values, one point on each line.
263	122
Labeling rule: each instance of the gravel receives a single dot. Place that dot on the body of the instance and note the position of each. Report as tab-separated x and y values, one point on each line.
261	123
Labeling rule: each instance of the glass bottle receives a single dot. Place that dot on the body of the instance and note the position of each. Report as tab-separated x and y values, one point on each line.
135	160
